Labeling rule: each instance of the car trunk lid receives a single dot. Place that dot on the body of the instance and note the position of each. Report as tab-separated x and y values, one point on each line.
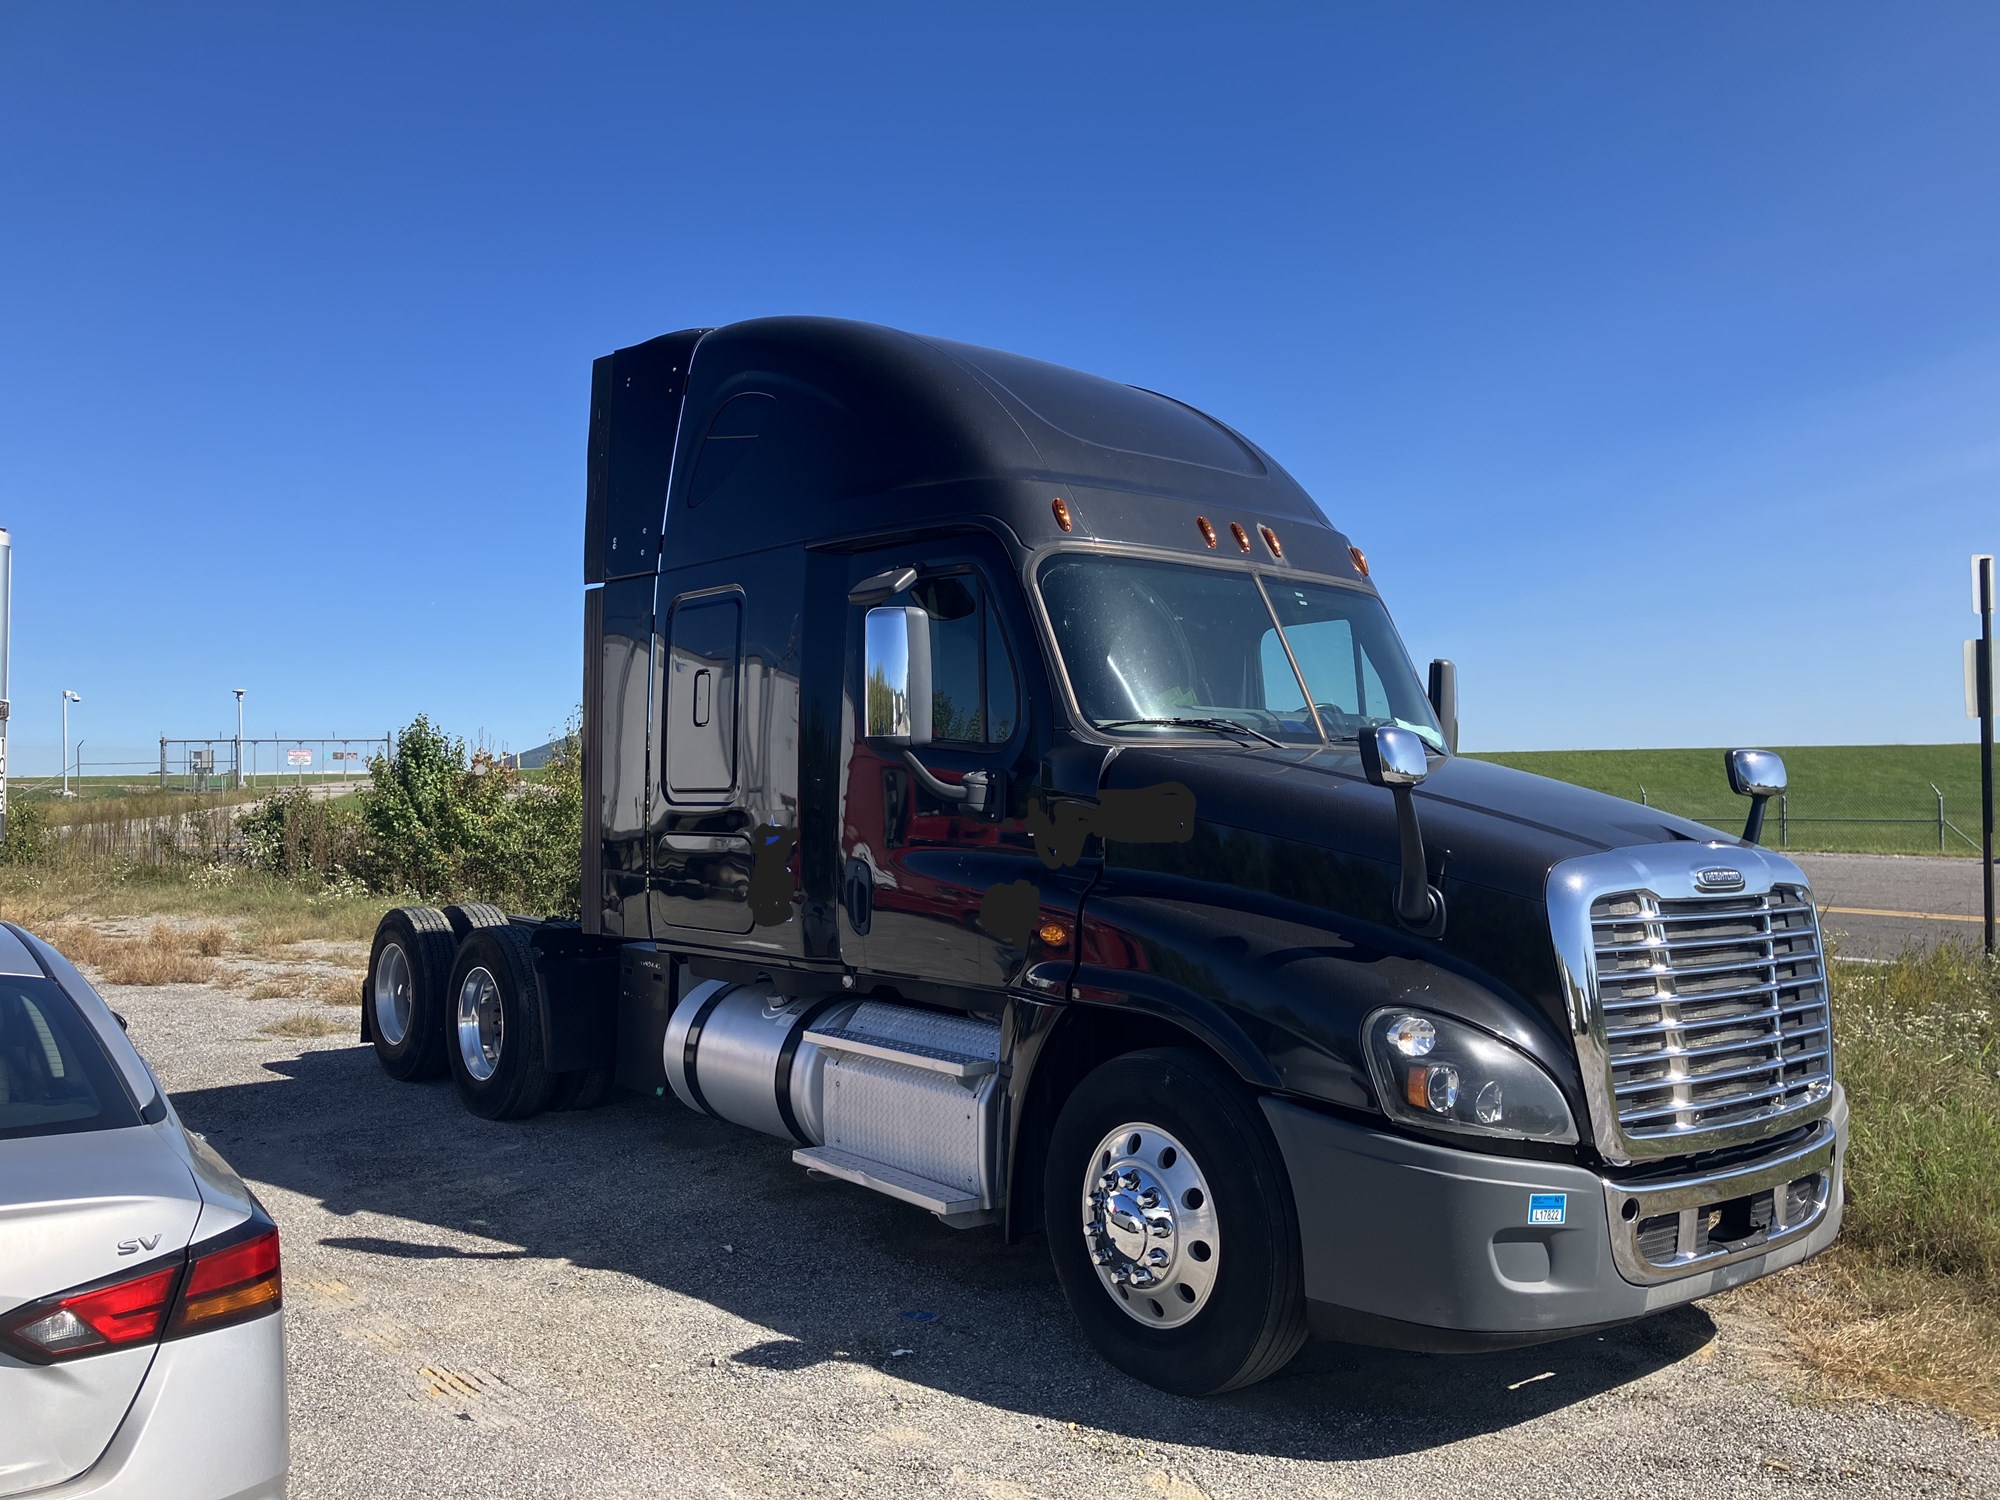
78	1209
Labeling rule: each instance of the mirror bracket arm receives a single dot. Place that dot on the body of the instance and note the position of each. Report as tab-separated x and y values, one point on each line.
1753	825
974	791
1419	904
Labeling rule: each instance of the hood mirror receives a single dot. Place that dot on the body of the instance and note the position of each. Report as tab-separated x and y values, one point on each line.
1393	757
1444	700
1758	775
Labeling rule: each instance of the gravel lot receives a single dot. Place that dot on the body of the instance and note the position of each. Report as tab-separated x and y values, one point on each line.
637	1301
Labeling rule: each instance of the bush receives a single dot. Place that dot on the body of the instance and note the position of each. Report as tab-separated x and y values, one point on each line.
27	838
295	834
454	825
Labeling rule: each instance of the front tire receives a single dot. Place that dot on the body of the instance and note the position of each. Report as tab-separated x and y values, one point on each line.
403	995
493	1026
1171	1224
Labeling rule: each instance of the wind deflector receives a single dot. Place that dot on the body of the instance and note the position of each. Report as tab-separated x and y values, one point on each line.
635	409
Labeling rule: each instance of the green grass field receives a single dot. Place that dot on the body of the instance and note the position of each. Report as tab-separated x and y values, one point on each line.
1861	798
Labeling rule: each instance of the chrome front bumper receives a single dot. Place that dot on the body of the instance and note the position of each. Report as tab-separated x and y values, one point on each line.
1663	1230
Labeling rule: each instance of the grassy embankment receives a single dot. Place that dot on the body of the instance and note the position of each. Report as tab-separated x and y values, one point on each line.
1836	791
1908	1302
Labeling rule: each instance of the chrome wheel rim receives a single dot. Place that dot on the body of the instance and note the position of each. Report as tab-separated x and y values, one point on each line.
394	994
482	1024
1149	1225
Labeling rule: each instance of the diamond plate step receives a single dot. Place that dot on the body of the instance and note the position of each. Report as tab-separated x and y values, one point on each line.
909	1054
907	1186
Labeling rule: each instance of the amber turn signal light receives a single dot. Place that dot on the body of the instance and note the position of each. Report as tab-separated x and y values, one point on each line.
1242	537
1271	541
1054	934
1061	508
1360	560
1207	531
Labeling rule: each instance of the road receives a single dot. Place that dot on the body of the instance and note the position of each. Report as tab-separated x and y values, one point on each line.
1875	905
641	1302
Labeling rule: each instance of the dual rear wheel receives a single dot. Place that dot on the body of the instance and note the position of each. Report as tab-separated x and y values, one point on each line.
456	991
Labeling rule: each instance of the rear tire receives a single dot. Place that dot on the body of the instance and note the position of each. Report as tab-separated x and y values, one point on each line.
586	1088
403	996
493	1026
468	916
1170	1220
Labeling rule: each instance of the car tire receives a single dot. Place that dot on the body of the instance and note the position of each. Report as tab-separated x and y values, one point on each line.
466	916
1171	1224
403	994
493	1026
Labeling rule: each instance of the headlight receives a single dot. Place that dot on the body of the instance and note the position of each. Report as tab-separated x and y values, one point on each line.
1450	1076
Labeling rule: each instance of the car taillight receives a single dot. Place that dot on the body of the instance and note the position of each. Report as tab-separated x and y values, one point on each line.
229	1285
207	1287
106	1317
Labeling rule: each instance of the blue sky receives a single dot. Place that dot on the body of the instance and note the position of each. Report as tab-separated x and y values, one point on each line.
1651	352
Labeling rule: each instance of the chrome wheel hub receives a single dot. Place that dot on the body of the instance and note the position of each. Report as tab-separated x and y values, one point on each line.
392	998
1149	1223
482	1024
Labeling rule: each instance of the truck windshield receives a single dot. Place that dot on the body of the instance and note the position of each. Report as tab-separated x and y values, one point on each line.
1146	643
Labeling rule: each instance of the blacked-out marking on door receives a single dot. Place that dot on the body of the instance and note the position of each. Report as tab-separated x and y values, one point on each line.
771	875
1162	814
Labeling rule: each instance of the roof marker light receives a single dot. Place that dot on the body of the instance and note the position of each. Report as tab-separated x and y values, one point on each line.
1061	508
1207	531
1271	541
1242	537
1360	560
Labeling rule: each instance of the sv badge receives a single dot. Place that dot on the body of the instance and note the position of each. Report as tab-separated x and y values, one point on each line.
133	1247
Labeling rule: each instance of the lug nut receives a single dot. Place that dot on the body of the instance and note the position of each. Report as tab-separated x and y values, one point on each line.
1149	1199
1128	1180
1157	1257
1163	1229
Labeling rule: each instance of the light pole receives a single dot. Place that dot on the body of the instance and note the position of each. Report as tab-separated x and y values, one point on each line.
67	699
239	737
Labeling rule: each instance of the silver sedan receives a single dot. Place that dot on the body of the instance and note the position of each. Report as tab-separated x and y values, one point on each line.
142	1350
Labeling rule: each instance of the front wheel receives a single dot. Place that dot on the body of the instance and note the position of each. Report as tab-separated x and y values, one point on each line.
1171	1224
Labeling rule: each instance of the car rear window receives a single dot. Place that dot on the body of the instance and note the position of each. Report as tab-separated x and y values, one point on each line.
54	1076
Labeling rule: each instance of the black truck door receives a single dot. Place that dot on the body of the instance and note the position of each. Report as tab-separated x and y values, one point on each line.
703	857
930	892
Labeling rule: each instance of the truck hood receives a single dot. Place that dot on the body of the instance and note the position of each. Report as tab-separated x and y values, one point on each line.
1487	825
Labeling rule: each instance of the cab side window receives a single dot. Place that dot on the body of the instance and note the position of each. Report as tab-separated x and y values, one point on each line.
975	699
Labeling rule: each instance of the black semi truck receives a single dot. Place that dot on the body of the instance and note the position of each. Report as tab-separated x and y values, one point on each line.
1006	786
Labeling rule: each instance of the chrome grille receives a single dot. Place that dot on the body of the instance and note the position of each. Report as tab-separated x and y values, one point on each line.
1713	1009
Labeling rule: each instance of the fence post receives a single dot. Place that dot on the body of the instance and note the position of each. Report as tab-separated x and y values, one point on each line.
1784	820
1940	801
1644	801
163	762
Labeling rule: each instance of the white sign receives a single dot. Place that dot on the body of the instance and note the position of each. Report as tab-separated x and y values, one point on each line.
298	757
1972	677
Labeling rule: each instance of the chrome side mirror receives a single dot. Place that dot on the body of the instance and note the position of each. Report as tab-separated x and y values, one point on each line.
1758	775
896	673
1392	756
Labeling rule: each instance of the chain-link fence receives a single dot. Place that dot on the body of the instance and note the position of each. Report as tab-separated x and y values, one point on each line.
208	765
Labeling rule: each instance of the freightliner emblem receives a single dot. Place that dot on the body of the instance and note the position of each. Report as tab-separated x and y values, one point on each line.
1718	878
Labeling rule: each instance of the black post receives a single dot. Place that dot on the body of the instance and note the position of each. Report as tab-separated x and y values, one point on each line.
1982	666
